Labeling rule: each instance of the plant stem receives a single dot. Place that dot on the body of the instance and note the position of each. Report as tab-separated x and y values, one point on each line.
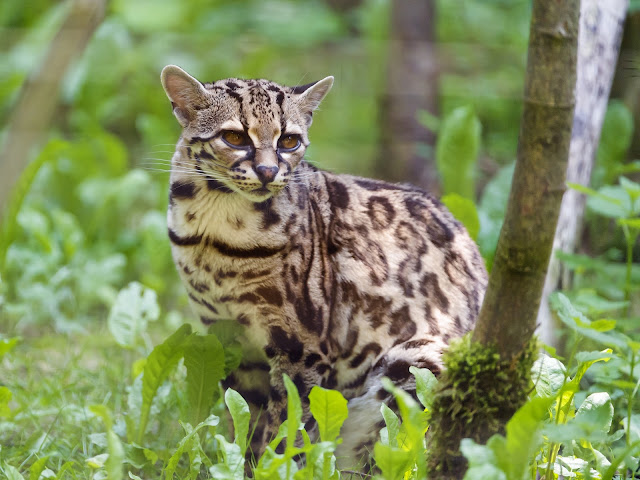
630	239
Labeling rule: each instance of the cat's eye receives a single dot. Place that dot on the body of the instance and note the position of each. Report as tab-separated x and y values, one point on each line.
289	142
235	139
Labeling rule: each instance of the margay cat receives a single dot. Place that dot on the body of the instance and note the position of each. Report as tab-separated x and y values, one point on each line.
338	280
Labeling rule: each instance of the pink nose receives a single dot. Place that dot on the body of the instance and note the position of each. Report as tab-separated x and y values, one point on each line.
266	174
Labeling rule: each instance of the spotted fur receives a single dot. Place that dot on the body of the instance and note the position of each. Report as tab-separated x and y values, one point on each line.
338	280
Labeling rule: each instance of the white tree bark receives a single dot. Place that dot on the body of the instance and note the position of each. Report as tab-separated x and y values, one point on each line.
601	25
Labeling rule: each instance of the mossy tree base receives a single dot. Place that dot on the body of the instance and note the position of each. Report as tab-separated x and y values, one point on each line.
476	396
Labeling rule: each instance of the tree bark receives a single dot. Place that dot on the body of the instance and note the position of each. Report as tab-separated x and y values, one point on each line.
412	83
39	96
601	26
486	375
508	315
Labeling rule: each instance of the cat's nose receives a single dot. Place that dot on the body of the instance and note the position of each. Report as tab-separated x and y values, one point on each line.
266	174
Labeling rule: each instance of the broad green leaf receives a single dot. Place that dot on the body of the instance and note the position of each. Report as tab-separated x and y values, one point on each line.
603	325
523	435
633	223
464	210
240	415
611	201
483	463
204	361
394	462
11	472
457	151
425	385
161	361
135	306
491	211
294	410
548	375
97	461
37	468
329	408
584	365
233	461
484	472
596	411
392	426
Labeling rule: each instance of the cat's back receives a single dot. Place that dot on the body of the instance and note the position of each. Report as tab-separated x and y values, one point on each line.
397	249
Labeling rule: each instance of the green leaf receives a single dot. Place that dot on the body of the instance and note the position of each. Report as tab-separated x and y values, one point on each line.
134	307
294	410
329	408
232	466
185	443
11	472
523	435
113	464
483	463
19	191
426	383
392	423
548	375
491	211
615	140
240	415
204	361
457	151
161	361
596	411
611	201
37	468
7	344
464	210
394	462
5	398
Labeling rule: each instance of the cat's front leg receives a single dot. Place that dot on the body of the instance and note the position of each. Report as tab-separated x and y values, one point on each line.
304	379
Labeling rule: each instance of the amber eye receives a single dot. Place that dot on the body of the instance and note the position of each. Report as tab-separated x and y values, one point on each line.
235	139
289	142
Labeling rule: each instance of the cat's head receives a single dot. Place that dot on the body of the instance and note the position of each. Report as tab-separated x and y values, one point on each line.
250	134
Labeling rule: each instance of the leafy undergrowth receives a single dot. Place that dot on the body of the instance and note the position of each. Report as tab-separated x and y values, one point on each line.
99	407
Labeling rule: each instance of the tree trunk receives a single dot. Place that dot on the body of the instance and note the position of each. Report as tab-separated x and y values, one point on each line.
412	83
598	46
508	315
39	96
486	376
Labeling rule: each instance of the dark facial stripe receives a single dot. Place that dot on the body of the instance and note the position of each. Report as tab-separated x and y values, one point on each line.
258	252
212	184
183	189
184	241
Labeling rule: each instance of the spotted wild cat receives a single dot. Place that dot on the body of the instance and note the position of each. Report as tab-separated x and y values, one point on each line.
338	280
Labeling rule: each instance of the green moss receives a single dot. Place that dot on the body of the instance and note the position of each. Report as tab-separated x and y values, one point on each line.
477	394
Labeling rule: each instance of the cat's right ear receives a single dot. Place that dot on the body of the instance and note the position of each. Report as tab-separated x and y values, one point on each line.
187	94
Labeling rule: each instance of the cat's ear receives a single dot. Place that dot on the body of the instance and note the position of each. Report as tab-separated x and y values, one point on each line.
187	94
311	95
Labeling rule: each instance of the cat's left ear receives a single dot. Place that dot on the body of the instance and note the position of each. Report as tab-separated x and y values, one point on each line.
311	95
187	94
